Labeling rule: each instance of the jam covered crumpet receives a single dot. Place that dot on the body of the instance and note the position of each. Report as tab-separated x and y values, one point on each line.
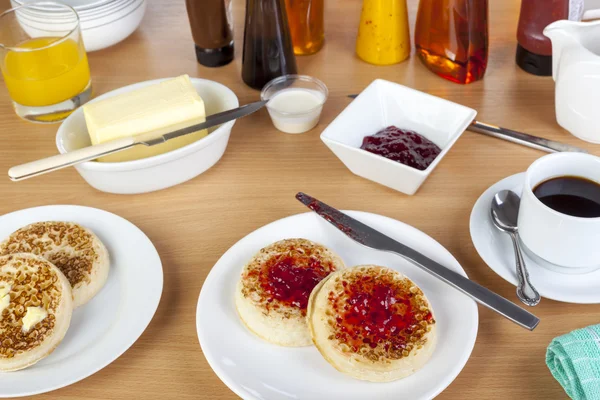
272	294
75	250
35	309
372	323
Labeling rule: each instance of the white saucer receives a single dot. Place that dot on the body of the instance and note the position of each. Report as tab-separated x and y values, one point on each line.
255	369
112	321
495	248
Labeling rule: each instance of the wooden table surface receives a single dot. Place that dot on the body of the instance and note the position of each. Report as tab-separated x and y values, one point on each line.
193	224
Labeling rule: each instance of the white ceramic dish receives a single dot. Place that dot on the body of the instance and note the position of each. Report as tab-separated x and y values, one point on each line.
495	248
255	369
111	322
100	28
102	9
101	33
79	5
158	172
385	103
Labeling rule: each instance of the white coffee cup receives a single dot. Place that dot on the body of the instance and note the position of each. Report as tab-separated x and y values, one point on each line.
571	244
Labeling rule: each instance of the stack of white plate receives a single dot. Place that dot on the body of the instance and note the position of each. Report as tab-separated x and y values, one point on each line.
103	22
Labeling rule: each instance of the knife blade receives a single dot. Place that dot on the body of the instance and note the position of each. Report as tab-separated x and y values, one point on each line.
524	139
45	165
374	239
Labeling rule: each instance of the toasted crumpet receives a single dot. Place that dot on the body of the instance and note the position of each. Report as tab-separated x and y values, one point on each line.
372	323
274	287
30	285
75	250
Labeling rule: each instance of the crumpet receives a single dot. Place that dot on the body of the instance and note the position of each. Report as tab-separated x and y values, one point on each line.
75	250
36	306
372	323
272	294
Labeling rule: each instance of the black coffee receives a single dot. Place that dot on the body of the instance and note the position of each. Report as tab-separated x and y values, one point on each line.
570	195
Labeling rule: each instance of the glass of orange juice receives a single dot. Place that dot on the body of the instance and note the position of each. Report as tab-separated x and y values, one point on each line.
43	61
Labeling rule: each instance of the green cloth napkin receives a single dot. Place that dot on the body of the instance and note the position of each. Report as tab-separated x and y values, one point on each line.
574	361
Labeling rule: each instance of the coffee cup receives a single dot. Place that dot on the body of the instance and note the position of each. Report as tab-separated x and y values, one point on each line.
563	241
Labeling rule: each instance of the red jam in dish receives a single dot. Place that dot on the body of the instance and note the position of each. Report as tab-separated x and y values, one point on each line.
379	312
401	145
291	279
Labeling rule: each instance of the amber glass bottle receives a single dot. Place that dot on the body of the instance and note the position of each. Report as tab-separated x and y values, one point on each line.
451	38
306	20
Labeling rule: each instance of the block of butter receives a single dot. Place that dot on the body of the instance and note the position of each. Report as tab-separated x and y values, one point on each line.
159	108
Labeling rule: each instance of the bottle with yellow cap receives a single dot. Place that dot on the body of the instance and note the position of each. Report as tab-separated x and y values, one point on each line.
383	33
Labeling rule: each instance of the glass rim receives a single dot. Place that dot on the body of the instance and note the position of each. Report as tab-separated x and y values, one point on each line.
40	3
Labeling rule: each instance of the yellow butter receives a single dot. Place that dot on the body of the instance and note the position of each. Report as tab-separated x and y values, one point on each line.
33	315
158	108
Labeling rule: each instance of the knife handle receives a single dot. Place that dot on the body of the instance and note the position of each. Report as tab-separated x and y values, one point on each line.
60	161
521	138
474	290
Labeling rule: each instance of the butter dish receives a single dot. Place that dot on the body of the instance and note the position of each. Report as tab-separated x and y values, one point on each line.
159	171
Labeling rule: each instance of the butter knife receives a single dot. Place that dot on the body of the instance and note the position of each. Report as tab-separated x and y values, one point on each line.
524	139
369	237
45	165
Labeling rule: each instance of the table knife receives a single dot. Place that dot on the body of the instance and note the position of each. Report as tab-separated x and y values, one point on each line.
374	239
524	139
71	158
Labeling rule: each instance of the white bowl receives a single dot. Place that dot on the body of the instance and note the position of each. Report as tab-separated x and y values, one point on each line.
161	171
76	4
100	28
100	33
385	103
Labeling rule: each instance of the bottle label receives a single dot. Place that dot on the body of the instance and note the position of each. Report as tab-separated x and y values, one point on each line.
575	10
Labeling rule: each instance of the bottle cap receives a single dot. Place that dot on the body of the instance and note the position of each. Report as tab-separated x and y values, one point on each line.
215	57
535	64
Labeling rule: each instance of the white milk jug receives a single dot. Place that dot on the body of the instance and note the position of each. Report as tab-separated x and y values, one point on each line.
576	71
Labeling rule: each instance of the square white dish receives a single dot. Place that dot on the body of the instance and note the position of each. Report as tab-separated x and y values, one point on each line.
385	103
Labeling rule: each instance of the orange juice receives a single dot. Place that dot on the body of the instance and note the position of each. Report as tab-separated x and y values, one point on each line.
44	75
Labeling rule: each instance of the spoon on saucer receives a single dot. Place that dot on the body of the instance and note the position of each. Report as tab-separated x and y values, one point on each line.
505	212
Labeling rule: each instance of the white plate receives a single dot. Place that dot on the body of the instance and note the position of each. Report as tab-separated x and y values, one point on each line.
255	369
495	248
111	322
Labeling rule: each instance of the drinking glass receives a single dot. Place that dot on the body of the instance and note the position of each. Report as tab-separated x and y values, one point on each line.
43	61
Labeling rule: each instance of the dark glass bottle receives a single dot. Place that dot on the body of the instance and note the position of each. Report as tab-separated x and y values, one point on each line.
210	21
268	51
534	50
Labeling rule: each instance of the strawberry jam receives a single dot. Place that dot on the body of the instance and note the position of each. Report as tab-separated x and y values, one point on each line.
291	279
403	146
382	313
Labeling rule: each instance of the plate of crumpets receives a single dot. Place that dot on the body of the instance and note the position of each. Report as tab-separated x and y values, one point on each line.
78	286
297	310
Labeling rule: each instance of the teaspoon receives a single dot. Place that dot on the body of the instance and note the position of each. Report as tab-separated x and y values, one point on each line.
505	211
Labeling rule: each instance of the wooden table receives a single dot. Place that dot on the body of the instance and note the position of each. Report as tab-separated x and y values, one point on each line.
192	224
